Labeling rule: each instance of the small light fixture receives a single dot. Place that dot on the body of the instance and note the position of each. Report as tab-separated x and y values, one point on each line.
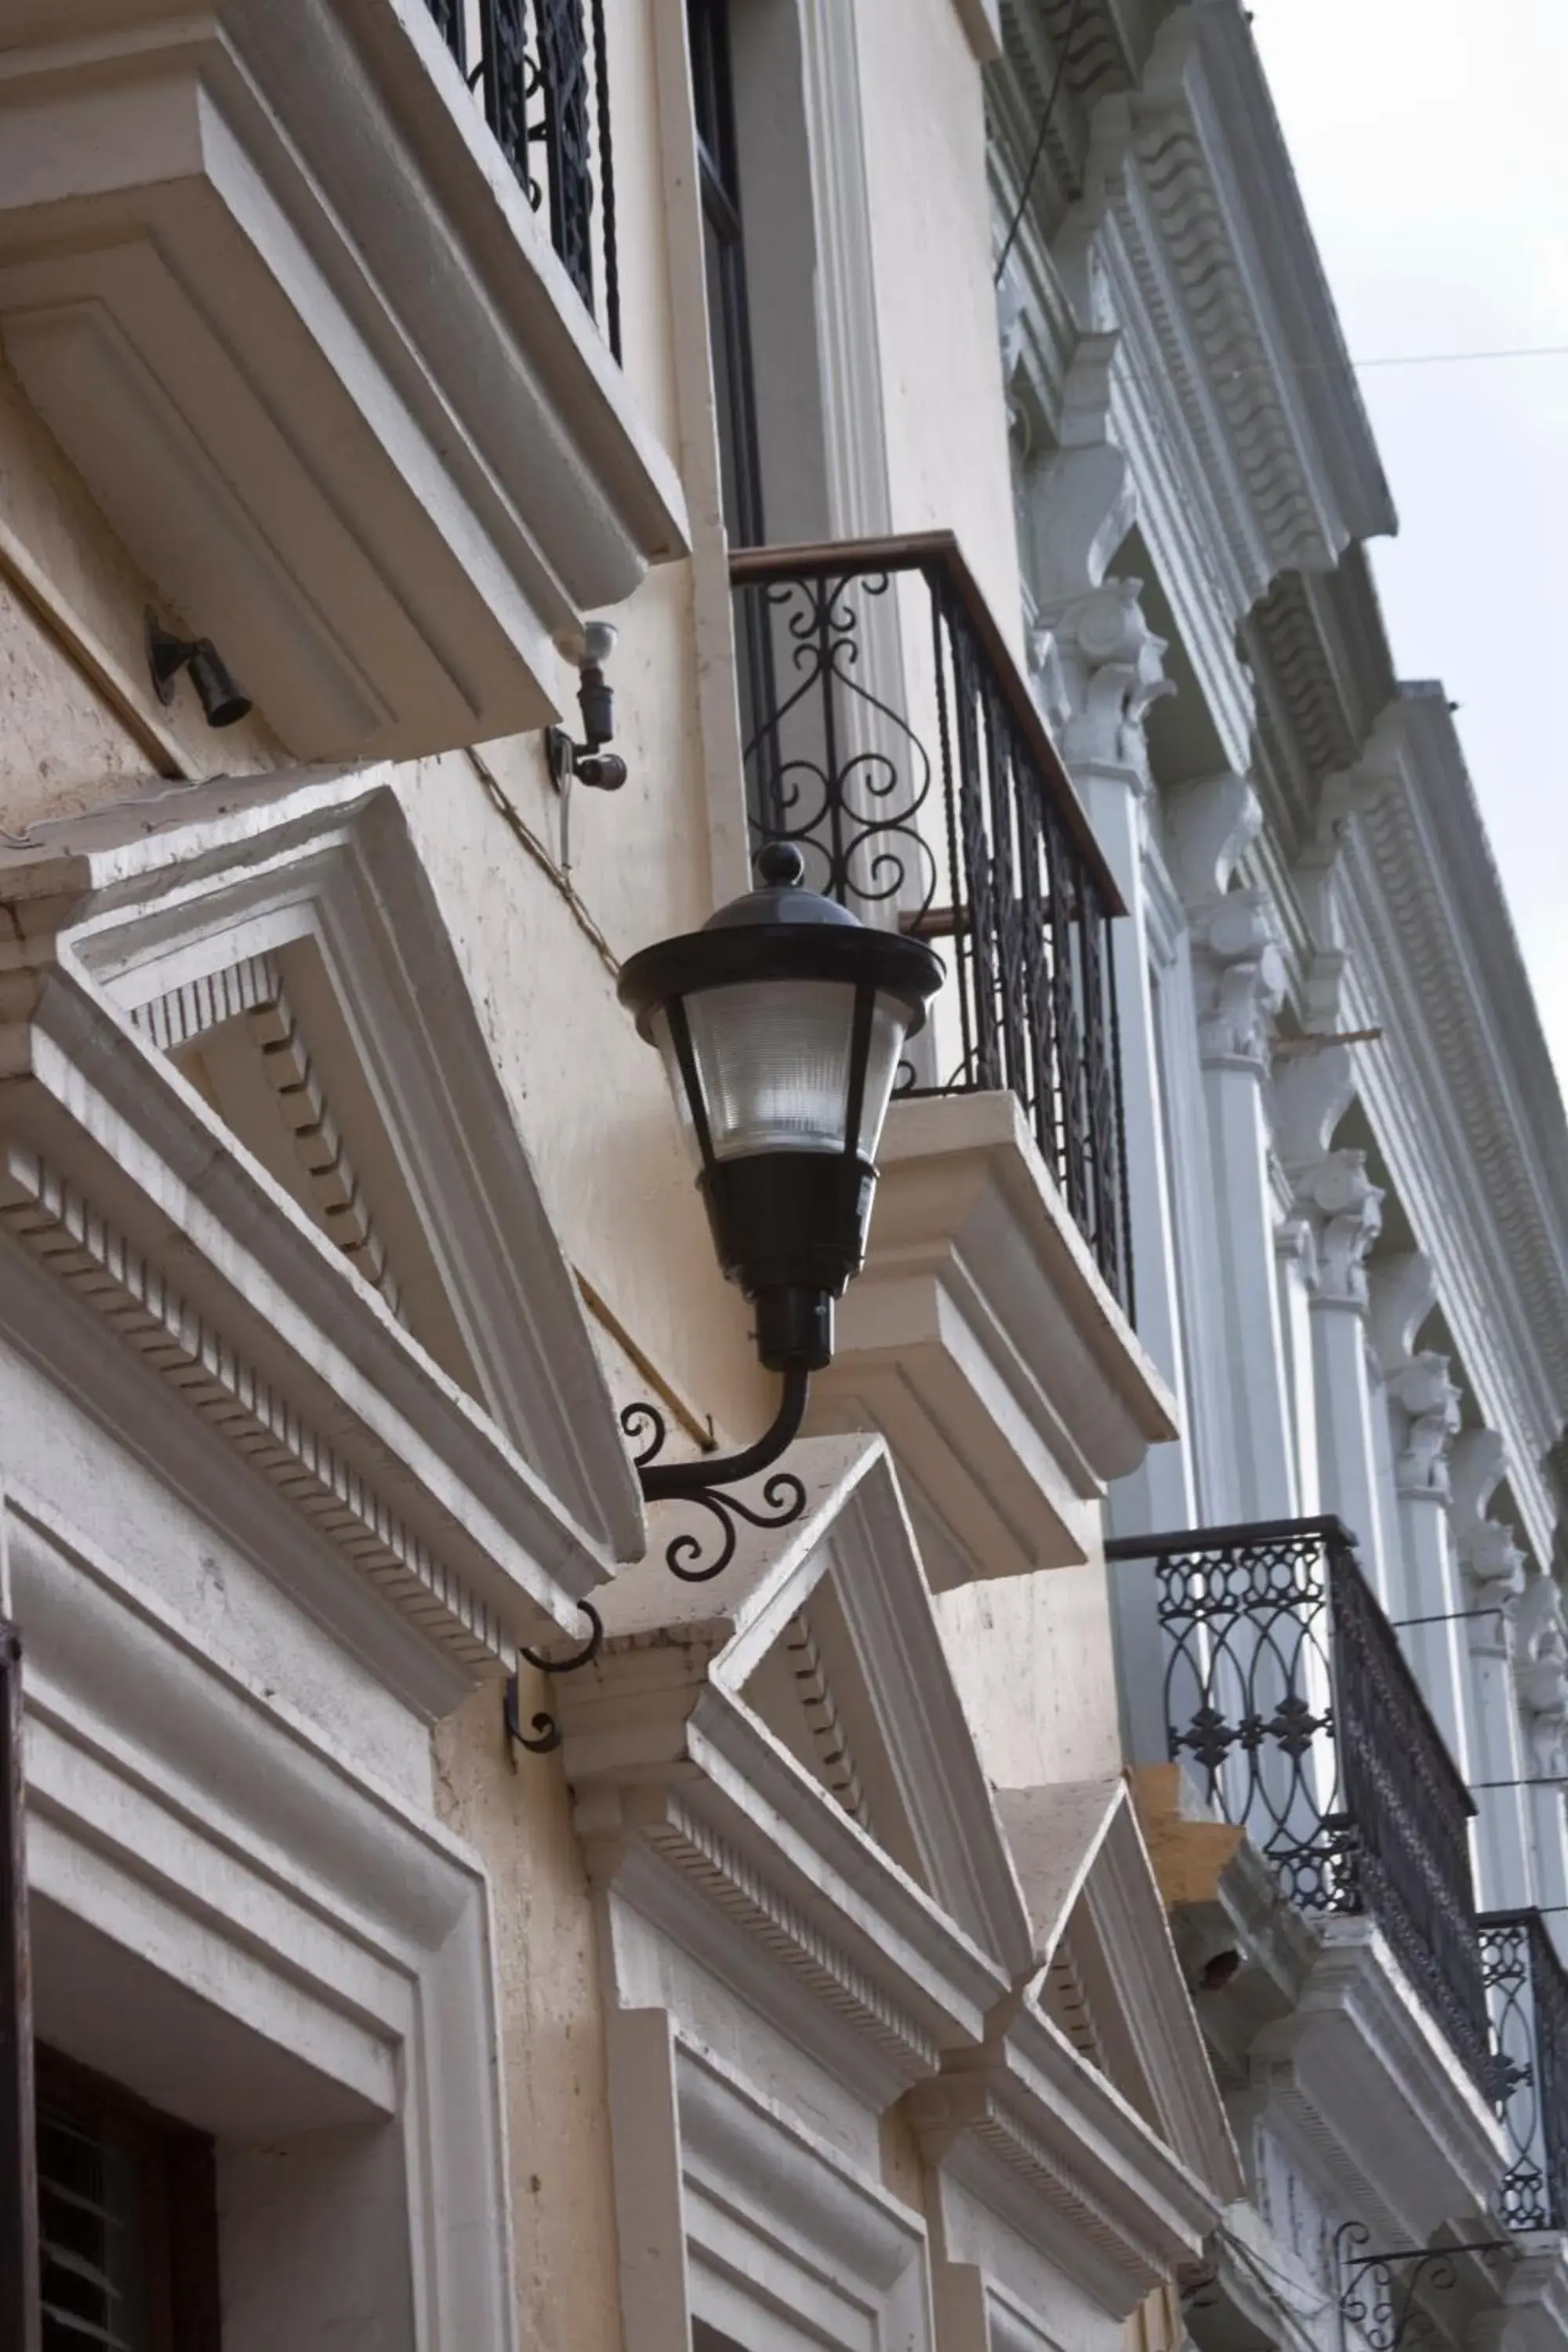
782	1024
588	763
168	655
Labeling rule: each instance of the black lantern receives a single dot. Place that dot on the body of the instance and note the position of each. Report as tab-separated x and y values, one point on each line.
781	1023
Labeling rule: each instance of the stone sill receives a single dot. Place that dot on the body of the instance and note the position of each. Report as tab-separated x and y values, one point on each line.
983	1344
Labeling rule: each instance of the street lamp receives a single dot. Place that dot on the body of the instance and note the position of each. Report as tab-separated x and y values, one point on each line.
781	1023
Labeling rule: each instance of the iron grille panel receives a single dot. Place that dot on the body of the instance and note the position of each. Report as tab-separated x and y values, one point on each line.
1528	1993
1285	1687
893	740
540	69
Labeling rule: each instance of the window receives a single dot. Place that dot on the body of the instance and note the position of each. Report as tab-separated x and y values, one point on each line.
127	2223
728	325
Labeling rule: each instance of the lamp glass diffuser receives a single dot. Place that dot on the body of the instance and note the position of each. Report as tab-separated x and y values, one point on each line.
774	1061
781	1023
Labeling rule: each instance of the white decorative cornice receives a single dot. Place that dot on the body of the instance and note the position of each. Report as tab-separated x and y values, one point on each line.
82	1250
151	1212
708	1814
1463	1087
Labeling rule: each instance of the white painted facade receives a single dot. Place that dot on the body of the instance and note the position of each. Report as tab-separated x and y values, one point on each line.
819	1989
1351	1256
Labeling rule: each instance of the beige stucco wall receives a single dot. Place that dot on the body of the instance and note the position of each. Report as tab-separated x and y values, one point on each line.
936	315
541	946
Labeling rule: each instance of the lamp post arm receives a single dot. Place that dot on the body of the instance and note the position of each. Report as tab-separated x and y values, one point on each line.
670	1481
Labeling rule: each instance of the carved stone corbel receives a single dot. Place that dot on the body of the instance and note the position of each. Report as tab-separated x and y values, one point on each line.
1099	669
1332	1186
1540	1675
1239	972
1493	1559
1403	1291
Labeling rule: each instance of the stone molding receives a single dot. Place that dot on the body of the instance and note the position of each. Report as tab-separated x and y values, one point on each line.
116	1169
304	1948
80	1249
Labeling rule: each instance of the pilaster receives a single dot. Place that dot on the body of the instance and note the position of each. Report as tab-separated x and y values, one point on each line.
1238	981
1424	1407
1493	1574
1343	1209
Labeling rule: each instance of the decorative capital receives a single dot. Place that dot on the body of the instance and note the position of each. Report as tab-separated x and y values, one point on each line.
1346	1207
1099	669
1239	975
1430	1400
1493	1561
1541	1673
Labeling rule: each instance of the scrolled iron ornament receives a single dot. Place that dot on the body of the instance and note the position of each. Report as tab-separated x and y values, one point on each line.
686	1554
1382	2307
546	1733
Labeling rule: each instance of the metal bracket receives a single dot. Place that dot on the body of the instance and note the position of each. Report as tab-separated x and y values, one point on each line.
1384	2309
702	1482
547	1734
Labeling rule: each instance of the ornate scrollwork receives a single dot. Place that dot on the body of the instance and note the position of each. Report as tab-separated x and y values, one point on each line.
1528	1990
1286	1684
688	1555
544	1728
1378	2292
847	804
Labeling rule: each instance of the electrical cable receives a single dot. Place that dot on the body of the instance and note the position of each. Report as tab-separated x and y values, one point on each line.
1057	78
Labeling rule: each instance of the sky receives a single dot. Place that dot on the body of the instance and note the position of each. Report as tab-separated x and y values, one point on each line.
1429	140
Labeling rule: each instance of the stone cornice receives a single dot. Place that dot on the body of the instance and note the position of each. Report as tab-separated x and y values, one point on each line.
1469	1068
124	1186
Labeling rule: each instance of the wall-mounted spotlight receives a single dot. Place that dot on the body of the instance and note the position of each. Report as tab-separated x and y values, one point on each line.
167	655
588	763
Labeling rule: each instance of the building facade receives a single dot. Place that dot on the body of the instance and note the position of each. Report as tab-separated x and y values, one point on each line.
476	471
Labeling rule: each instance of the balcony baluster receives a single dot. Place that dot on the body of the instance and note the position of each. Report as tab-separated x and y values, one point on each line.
543	69
1286	1685
891	736
1528	1990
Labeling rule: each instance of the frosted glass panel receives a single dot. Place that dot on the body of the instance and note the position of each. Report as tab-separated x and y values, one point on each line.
773	1059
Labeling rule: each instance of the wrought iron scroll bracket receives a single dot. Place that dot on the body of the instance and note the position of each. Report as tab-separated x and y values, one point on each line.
544	1734
706	1483
1382	2307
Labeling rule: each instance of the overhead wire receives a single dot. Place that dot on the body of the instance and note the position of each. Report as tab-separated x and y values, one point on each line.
1058	80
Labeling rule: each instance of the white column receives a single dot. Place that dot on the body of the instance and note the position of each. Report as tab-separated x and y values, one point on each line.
1493	1569
1238	980
1340	1205
1097	667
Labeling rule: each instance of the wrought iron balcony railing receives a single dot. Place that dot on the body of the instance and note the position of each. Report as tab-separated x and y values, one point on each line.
541	70
891	735
1528	1990
1285	1686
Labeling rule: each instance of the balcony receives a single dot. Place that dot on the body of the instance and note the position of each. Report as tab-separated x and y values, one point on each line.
890	733
1286	1690
1528	1990
304	295
539	70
